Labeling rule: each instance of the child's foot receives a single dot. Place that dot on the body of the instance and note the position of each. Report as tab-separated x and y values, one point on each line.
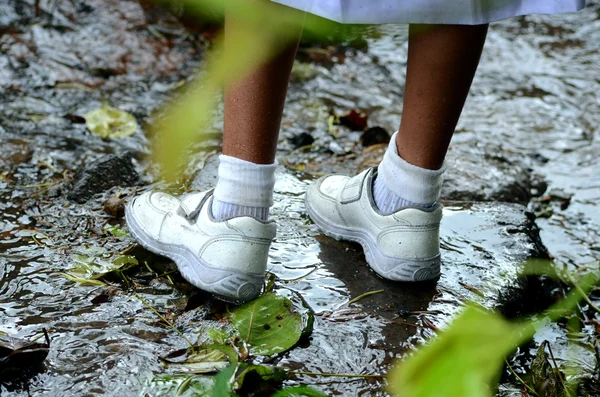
402	246
227	258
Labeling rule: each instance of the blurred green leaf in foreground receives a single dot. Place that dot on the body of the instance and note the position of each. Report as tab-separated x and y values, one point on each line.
466	359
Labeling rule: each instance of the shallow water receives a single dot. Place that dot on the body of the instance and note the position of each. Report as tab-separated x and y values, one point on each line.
535	104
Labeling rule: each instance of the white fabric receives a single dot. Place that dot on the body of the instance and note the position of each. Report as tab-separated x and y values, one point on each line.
463	12
221	211
408	181
388	203
245	183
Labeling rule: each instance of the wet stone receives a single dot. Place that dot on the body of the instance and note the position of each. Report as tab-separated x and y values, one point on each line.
473	172
476	173
102	174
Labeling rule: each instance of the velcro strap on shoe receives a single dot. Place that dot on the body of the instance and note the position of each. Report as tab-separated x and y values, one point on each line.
353	189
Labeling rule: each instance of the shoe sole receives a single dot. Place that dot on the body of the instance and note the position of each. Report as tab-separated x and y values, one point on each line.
396	269
227	285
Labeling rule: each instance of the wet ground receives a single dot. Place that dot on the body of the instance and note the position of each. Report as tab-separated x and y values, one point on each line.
527	143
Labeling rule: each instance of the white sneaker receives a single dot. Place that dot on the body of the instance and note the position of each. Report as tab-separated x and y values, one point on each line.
403	246
227	258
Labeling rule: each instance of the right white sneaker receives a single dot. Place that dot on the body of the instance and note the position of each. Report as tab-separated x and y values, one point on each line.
404	246
227	258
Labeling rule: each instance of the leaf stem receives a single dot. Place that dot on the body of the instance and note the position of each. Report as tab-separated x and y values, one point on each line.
529	388
365	295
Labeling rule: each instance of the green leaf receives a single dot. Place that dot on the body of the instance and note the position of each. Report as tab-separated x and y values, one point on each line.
223	382
464	361
179	385
108	122
82	281
267	373
269	324
115	230
196	359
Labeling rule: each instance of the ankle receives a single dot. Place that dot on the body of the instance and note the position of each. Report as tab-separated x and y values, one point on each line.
243	189
400	184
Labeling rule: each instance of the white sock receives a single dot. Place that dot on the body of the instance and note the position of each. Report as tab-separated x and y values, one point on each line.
243	189
400	184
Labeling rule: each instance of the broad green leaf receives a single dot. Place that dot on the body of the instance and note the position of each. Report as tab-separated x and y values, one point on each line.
268	374
108	122
223	382
268	324
196	359
463	361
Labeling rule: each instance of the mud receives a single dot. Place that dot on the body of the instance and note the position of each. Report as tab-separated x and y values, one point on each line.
529	128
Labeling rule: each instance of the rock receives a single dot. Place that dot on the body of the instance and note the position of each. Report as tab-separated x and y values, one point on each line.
102	174
477	173
302	139
115	207
373	136
473	173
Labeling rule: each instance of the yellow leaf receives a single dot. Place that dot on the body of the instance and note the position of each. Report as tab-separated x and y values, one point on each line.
108	122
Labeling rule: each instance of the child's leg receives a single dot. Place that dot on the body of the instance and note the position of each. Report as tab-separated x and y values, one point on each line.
442	60
253	110
401	240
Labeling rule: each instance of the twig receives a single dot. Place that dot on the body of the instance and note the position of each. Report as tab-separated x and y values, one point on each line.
529	388
37	185
43	334
327	374
128	249
163	318
584	295
292	280
429	324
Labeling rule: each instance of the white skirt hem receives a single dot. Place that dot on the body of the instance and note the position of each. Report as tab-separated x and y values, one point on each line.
459	12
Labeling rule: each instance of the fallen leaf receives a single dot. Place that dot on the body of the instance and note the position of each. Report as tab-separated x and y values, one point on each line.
196	359
268	324
354	120
108	122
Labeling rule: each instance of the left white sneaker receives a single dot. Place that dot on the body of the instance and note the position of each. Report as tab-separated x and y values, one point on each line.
403	246
227	258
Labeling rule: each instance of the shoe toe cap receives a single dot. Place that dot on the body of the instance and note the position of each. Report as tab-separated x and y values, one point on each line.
331	186
148	210
322	197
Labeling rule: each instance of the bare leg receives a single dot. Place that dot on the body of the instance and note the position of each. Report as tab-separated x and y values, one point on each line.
442	60
254	106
